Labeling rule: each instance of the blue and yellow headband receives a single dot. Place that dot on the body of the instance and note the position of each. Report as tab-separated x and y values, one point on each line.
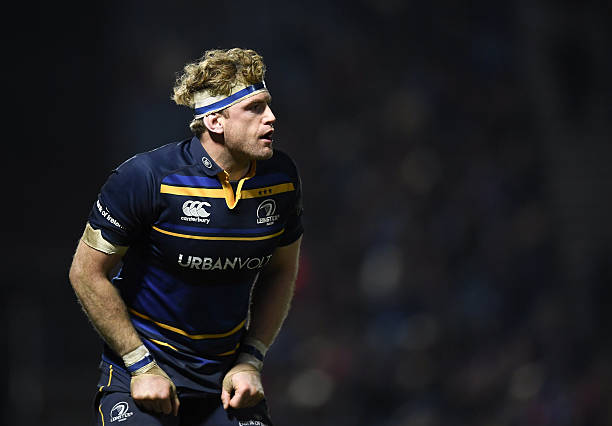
206	104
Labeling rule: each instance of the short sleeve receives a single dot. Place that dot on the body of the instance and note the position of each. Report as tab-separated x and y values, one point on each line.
125	205
293	227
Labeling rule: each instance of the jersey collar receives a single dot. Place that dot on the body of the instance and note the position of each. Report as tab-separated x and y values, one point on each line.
210	168
203	159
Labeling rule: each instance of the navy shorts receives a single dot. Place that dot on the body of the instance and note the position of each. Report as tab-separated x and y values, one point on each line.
114	406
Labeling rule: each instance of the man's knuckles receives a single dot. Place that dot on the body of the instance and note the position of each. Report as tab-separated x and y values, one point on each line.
151	394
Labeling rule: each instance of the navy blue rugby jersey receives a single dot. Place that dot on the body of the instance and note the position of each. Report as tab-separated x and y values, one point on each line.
196	245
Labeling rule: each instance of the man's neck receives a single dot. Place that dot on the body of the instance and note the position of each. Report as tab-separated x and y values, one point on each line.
236	168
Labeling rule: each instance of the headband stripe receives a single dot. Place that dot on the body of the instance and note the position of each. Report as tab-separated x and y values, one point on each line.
223	103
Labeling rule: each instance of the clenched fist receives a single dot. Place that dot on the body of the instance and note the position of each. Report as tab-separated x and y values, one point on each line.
154	391
242	387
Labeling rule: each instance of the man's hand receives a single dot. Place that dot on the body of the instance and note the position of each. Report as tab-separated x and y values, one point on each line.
242	387
153	391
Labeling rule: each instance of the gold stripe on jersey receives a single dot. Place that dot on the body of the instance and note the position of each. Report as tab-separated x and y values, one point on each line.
203	237
268	190
168	345
184	333
233	351
265	191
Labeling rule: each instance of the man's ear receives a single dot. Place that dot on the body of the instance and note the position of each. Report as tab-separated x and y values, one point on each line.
214	123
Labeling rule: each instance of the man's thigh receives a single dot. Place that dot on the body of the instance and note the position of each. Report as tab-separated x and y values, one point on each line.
118	408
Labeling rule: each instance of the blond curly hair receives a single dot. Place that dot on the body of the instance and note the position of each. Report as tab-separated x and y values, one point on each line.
217	72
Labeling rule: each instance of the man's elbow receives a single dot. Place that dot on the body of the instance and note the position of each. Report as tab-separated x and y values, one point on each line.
75	274
80	270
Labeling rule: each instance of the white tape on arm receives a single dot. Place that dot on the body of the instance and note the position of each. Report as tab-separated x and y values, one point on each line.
252	352
94	239
138	361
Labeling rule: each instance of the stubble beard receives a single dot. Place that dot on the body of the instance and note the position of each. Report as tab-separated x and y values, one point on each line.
256	153
267	154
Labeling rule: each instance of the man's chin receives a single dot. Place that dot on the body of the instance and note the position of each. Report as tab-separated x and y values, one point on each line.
265	154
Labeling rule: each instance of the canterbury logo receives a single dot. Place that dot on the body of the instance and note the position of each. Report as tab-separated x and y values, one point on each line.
195	208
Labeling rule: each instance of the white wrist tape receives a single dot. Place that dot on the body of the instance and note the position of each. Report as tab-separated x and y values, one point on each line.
257	344
252	352
138	361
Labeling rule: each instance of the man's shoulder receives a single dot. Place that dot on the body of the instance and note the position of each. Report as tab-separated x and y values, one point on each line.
159	160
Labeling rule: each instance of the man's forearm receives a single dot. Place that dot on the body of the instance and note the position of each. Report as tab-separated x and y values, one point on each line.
272	294
108	314
102	304
270	305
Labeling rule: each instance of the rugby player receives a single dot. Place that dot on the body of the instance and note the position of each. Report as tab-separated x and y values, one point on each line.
207	235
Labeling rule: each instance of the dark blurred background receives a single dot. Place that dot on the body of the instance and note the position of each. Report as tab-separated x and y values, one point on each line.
456	173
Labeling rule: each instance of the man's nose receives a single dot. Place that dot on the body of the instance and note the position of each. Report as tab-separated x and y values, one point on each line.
269	117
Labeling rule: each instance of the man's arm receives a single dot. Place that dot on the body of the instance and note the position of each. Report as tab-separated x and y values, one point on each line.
270	303
152	389
100	299
273	292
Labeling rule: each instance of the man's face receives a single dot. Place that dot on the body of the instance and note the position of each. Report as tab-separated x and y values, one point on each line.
248	128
